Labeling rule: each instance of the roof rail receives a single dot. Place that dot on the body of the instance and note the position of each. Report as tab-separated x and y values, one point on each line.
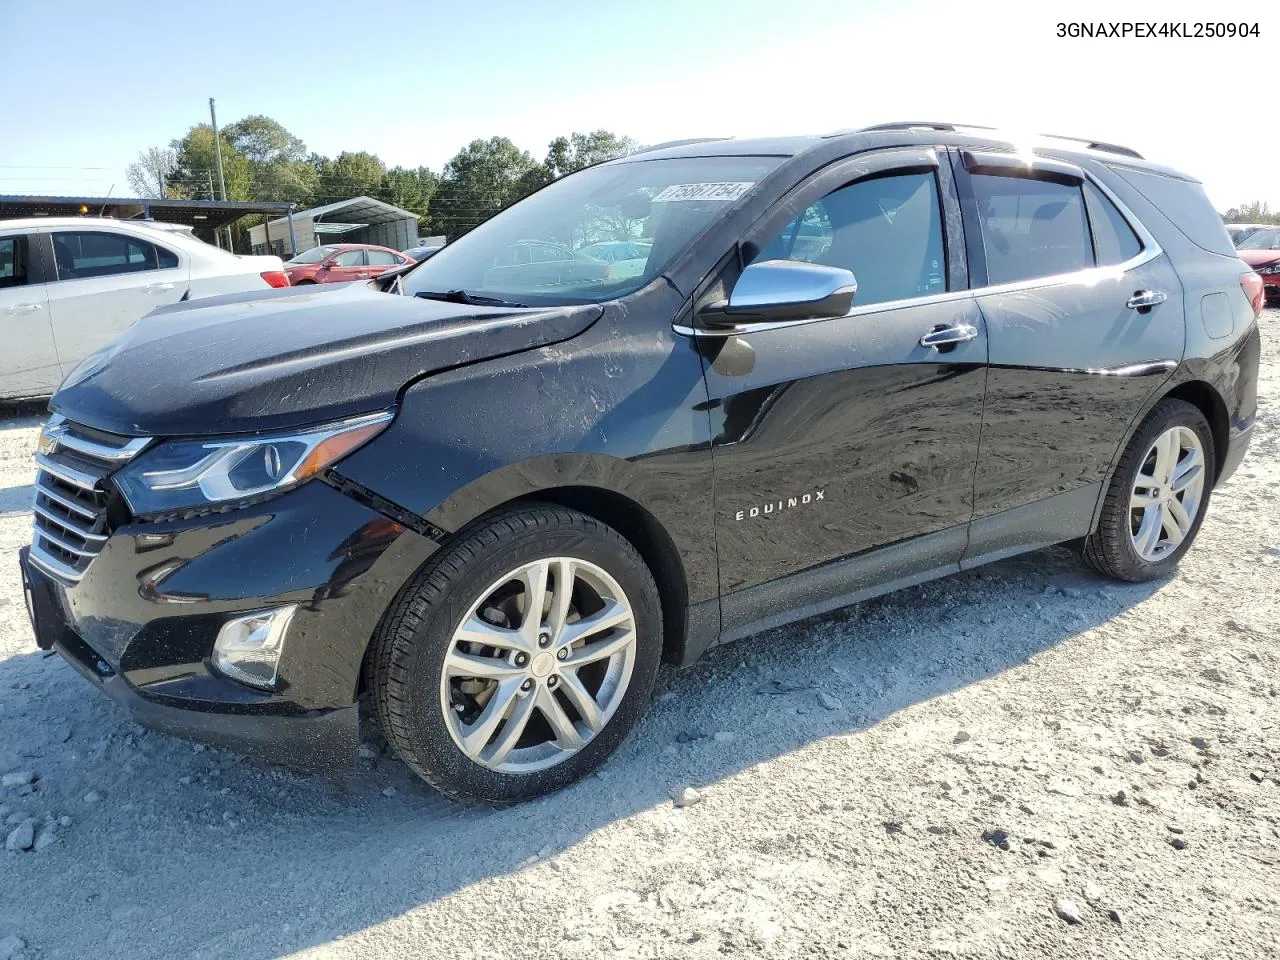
677	143
1097	145
1089	143
924	125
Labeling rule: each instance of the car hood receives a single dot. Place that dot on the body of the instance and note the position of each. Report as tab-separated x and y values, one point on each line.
1259	258
289	357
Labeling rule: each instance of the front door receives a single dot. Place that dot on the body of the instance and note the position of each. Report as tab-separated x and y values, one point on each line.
29	360
346	265
836	437
1084	314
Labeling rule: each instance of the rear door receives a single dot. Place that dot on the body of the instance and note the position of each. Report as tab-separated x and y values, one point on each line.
105	282
29	360
1085	319
346	265
835	437
379	260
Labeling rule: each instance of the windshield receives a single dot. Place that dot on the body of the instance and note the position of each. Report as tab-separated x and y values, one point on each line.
592	236
314	255
1268	239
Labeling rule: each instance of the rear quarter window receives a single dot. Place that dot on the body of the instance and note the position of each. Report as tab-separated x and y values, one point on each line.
1185	204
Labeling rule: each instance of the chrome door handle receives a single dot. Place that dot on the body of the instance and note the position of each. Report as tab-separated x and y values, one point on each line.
1146	299
22	308
949	336
157	287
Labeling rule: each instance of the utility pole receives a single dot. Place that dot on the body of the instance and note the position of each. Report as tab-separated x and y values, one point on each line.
217	241
217	152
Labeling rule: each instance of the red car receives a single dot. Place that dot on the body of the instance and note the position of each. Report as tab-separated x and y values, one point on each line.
339	262
1261	250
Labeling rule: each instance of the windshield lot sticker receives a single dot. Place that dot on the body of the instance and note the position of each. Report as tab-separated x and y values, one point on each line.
703	191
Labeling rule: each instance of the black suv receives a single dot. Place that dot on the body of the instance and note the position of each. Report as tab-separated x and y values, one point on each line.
495	491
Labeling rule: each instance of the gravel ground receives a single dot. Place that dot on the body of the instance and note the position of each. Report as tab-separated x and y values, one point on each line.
1020	761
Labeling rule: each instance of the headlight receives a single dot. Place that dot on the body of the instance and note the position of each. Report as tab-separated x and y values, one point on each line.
191	474
1269	270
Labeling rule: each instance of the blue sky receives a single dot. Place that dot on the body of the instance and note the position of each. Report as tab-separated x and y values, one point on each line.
415	81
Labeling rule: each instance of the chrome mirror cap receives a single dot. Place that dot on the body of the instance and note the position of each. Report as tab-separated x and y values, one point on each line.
774	291
778	283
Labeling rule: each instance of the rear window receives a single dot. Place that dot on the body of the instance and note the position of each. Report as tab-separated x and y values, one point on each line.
1185	204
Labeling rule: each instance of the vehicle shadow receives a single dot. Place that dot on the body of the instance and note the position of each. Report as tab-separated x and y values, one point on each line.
200	853
16	500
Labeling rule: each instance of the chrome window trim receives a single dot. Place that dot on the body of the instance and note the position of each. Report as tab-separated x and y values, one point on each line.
1090	275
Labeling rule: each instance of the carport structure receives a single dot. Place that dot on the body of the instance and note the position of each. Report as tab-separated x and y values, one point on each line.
199	214
358	220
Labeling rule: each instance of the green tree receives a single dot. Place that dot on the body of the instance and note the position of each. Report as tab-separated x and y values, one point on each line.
276	157
578	150
195	174
350	175
1259	211
481	179
411	190
264	141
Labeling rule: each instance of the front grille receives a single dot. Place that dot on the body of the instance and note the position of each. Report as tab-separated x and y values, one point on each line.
71	500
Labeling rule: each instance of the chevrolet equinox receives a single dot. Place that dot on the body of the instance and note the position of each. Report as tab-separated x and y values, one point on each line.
491	493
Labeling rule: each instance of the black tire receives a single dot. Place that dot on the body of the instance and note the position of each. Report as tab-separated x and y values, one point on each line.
1110	549
305	283
416	632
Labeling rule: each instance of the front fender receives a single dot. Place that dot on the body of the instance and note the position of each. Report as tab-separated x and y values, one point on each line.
621	408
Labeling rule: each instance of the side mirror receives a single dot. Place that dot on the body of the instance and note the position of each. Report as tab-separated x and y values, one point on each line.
773	291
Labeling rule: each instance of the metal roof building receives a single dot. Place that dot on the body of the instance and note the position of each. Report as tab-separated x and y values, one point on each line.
358	220
194	213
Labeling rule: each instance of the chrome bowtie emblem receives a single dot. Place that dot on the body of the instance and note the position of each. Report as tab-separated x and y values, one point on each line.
48	442
778	506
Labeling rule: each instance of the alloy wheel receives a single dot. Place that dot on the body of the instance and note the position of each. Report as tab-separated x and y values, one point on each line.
1167	493
539	665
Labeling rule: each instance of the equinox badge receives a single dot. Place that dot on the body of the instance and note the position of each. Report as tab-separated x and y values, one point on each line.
777	506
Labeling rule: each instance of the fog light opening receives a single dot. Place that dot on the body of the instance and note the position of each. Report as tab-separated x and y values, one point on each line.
248	648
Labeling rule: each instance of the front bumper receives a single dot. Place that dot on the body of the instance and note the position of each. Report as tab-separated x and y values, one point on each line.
1271	286
141	623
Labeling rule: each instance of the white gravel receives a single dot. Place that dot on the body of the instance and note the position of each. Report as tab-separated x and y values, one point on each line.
1117	746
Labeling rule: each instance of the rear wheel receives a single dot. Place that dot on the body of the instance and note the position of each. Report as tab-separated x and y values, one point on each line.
517	661
1157	497
304	283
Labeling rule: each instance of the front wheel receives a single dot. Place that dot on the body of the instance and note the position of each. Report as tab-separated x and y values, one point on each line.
519	659
1157	497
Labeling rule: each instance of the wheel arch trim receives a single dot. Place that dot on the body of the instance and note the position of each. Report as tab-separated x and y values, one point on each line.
1199	393
609	489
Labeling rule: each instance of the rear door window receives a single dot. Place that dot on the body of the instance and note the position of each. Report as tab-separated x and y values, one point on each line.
1031	228
13	262
380	258
887	230
1113	239
81	254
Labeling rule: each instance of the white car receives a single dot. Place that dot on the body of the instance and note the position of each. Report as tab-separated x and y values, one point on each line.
69	285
